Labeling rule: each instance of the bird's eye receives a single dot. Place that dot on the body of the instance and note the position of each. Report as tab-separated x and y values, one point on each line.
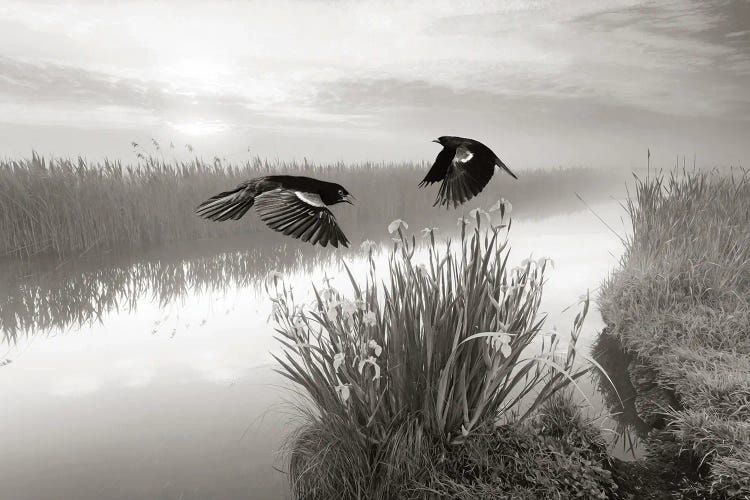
341	192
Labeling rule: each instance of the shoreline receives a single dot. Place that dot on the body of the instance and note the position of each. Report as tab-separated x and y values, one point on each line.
678	304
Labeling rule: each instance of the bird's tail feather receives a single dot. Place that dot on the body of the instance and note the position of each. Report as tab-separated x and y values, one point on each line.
502	165
226	205
452	192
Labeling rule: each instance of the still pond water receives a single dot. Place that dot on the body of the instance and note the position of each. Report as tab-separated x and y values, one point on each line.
151	376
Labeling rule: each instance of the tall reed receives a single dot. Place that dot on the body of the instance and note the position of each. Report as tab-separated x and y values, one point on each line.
65	207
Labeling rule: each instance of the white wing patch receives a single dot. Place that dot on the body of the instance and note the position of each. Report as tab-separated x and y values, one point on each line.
463	155
310	198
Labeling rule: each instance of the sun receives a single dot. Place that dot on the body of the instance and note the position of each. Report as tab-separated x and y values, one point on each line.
197	128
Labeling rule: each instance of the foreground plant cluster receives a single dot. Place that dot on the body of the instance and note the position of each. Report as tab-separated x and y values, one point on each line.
437	379
681	303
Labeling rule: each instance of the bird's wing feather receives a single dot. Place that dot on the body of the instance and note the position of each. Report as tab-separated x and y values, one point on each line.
466	176
310	198
439	168
231	204
300	215
502	165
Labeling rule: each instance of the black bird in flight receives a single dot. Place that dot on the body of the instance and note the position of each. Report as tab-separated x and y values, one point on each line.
295	206
465	166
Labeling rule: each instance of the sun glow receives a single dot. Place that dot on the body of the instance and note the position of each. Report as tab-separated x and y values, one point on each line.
200	127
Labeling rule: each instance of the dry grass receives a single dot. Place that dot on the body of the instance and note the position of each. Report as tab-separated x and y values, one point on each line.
681	301
66	207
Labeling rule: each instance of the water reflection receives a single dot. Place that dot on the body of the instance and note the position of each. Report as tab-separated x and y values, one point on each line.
618	392
60	295
42	295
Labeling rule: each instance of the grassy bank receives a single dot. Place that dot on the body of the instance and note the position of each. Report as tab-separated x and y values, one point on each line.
680	302
65	207
435	378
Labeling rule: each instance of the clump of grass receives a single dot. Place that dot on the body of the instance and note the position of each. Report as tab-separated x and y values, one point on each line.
557	454
680	301
68	207
408	370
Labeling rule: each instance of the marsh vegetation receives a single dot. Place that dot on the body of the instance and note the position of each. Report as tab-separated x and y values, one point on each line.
68	207
426	363
430	375
680	302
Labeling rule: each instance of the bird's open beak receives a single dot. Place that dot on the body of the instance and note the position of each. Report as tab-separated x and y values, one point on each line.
349	199
435	140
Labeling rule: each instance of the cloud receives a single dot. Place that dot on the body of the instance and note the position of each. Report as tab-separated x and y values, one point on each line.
311	68
26	81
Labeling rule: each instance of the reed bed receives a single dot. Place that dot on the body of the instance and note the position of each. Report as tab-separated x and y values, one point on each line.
680	301
408	378
68	207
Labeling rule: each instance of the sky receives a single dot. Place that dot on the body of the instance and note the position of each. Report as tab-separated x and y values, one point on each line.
543	83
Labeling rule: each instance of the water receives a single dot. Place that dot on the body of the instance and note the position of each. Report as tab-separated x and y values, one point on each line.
151	376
